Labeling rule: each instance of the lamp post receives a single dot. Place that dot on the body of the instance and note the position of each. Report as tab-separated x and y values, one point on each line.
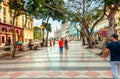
42	27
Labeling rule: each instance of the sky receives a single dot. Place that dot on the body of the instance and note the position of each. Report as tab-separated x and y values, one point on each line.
54	24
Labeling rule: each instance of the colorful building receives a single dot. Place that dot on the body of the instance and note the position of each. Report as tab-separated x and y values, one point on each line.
6	20
101	29
74	34
62	32
28	32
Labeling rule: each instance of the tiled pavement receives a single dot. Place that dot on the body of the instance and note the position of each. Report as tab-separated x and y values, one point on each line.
79	63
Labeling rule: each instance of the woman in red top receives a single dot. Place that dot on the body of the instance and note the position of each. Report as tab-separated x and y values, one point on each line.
61	43
50	42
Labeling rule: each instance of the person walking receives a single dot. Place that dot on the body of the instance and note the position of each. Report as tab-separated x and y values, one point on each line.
50	42
53	42
66	45
113	49
61	43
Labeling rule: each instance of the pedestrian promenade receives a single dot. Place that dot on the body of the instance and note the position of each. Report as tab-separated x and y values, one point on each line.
79	63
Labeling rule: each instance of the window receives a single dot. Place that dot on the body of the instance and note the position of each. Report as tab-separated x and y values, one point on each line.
23	19
28	25
3	39
31	26
4	19
4	10
11	21
11	14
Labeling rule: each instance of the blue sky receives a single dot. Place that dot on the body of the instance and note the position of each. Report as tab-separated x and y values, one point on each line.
54	24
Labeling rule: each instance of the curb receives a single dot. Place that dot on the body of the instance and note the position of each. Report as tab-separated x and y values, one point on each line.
5	54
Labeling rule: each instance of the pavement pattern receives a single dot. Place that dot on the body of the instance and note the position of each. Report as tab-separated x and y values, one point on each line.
78	63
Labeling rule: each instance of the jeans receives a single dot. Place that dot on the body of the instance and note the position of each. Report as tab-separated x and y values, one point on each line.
61	50
115	68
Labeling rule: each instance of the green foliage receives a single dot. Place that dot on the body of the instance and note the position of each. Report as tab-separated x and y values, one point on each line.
92	10
17	7
47	26
119	19
111	2
0	3
48	12
33	7
38	10
37	33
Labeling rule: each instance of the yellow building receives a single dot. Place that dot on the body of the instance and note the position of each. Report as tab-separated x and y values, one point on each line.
101	28
28	32
6	21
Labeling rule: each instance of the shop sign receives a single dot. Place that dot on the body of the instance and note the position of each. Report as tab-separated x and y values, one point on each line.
104	33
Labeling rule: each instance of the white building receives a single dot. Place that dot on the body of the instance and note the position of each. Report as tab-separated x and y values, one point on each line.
62	32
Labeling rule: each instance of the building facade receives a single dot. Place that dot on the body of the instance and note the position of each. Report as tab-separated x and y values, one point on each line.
6	21
74	34
62	32
28	32
101	29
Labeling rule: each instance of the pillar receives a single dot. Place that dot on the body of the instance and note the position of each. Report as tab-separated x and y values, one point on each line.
6	36
0	39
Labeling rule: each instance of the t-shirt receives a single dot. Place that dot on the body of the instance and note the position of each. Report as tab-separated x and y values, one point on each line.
114	48
61	43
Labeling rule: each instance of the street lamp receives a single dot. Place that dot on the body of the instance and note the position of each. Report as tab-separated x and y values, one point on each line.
42	27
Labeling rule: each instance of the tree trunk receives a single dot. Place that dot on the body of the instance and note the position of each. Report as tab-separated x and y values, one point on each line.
111	29
87	34
21	34
111	19
14	39
46	43
89	40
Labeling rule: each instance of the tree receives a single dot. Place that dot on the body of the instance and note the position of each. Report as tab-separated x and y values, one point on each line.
17	8
38	10
46	13
82	35
48	29
83	12
37	33
33	7
112	7
23	7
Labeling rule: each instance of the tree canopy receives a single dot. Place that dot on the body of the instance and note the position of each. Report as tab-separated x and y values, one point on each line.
37	33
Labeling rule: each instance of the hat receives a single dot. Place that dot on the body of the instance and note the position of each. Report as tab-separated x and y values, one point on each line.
115	36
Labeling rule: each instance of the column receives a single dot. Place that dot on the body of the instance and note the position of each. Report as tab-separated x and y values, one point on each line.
22	36
0	38
6	36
